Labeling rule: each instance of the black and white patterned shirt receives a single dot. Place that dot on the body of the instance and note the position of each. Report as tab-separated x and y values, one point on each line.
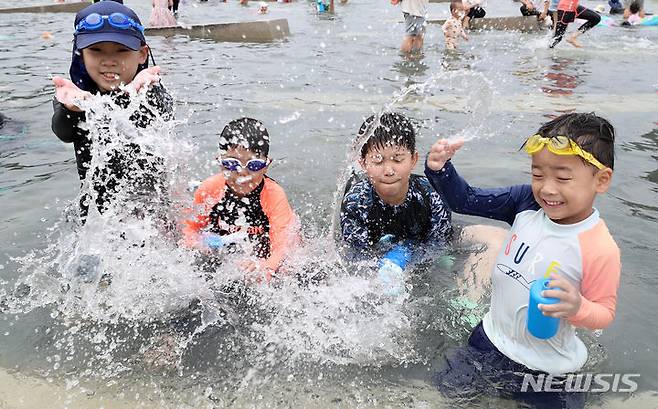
423	216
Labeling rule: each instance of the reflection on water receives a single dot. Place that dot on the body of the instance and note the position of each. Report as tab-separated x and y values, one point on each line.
564	76
411	65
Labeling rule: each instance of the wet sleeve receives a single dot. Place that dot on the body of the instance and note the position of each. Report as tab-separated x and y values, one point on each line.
493	203
160	98
600	282
65	123
353	218
284	227
197	217
159	104
441	219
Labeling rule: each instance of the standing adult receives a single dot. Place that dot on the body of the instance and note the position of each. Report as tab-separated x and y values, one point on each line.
415	13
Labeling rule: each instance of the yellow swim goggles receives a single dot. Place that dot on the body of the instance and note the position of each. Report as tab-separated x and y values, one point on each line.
559	145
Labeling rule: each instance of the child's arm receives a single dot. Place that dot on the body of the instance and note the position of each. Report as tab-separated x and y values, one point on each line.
205	197
67	93
157	96
284	229
66	114
145	78
441	219
195	223
595	305
353	215
160	98
65	123
494	203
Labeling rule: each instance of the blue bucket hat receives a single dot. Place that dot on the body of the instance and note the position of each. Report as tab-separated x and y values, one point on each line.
129	37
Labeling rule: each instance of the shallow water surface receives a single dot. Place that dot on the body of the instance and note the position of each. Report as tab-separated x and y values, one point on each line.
335	344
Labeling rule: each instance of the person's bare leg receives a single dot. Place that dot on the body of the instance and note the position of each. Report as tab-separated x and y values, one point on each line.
407	44
573	39
418	42
478	266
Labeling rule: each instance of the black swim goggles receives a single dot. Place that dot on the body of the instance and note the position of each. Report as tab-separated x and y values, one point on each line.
95	21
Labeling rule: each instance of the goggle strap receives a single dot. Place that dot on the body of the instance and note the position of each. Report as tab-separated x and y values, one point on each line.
572	149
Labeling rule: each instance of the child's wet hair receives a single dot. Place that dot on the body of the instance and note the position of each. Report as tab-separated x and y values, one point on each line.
634	7
248	133
591	132
393	129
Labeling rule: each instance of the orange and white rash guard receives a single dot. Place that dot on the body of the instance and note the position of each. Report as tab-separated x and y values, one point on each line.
584	253
264	214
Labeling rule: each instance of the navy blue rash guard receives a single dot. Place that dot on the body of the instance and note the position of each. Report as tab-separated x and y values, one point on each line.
423	217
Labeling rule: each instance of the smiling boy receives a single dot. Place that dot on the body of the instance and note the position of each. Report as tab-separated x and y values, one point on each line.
556	232
242	202
109	50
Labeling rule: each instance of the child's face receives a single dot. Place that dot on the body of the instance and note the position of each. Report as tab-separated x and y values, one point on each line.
388	169
565	186
243	181
110	64
458	11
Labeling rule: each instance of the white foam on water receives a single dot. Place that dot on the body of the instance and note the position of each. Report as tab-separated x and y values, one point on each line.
114	285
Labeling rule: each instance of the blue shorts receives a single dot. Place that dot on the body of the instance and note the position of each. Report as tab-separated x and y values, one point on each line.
481	370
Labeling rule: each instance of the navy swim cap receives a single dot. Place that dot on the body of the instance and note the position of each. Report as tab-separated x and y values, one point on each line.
129	37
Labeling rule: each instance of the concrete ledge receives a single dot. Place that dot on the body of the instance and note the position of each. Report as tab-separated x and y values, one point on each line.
517	23
49	8
248	31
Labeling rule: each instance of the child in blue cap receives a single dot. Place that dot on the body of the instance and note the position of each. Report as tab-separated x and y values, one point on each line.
109	50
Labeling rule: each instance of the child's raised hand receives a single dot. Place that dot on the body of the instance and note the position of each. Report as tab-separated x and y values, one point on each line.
69	94
145	78
441	151
568	295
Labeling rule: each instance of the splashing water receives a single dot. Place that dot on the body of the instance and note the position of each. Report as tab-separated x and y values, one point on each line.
124	296
477	96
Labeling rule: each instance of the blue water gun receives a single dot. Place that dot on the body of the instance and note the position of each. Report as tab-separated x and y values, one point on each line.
540	325
215	241
391	269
